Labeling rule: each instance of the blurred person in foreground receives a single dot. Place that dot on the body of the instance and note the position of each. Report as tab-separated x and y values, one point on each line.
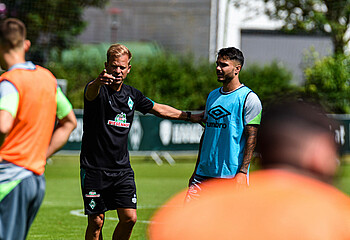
290	198
232	116
30	102
107	178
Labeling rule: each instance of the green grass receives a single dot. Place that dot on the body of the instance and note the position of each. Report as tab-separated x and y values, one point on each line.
155	184
343	179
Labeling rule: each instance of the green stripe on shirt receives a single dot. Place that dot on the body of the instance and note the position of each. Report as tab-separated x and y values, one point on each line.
63	105
256	120
6	188
9	103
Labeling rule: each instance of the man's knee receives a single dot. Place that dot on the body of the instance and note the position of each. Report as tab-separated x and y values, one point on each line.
129	218
96	221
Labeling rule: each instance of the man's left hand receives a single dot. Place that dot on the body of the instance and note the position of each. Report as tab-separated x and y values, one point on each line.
241	180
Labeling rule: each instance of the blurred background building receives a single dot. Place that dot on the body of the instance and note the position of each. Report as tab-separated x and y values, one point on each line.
180	26
201	28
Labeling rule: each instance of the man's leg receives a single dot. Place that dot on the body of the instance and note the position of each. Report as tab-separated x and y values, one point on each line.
127	219
94	228
19	208
193	192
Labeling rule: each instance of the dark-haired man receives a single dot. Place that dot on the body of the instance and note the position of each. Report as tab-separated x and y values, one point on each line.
290	198
30	101
232	115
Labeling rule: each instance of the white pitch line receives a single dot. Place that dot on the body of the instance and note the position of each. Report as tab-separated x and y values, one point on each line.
80	213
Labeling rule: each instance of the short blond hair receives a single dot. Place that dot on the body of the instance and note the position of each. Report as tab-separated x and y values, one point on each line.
12	33
117	50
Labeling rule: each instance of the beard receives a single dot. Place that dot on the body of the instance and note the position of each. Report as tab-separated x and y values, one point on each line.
224	79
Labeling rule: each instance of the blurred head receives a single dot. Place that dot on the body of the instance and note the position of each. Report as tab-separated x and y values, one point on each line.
229	63
118	62
12	41
298	136
12	33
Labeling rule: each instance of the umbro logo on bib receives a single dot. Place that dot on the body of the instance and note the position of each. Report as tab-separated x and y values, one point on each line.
218	112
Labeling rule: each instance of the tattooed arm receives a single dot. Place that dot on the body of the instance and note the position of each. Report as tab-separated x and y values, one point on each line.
251	133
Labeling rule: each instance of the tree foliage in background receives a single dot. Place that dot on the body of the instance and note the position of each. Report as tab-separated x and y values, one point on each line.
81	64
78	65
328	82
271	83
165	78
50	23
179	81
315	16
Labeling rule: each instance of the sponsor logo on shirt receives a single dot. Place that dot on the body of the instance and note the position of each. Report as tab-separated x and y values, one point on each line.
119	121
217	113
92	194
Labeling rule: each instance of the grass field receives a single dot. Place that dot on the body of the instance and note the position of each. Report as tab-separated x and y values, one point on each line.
61	215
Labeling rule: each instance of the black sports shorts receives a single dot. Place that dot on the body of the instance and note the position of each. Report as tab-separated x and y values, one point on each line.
105	190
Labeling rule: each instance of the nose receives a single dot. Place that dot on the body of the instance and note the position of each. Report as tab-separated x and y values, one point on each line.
118	70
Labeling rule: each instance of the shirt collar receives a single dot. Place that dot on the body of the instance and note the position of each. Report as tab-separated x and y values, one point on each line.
27	65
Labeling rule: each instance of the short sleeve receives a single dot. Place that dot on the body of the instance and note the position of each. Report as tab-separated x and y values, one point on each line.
143	104
252	109
63	105
9	97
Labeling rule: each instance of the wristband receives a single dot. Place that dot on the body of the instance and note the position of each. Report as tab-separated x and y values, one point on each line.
241	171
188	118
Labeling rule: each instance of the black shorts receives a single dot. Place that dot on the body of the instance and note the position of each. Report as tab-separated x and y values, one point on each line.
105	190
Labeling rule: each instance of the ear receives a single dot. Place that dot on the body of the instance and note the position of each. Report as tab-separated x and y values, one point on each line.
237	69
321	156
27	45
129	68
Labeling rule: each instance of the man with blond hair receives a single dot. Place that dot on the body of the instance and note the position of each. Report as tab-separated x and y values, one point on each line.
106	175
30	101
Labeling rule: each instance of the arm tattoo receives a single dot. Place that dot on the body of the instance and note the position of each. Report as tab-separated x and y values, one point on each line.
251	132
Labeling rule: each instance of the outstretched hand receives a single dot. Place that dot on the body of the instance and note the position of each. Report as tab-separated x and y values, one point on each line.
104	78
93	87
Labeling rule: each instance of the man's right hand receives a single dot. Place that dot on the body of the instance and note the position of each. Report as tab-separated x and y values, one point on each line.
198	118
104	78
93	89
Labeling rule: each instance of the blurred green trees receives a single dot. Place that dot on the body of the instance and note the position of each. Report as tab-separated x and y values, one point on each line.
328	82
184	82
179	81
78	66
50	24
308	16
272	83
